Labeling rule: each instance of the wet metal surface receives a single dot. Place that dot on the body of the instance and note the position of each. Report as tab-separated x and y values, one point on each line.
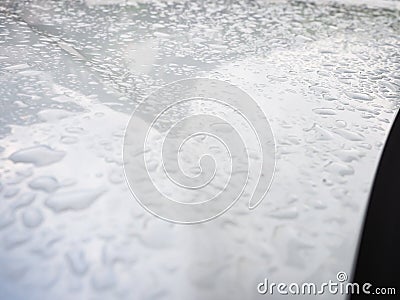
326	75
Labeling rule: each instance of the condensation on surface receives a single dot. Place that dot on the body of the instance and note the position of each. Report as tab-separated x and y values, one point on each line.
326	75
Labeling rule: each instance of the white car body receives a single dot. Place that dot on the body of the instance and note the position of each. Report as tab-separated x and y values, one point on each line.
326	75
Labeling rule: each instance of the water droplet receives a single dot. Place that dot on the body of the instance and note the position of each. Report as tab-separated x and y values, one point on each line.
324	111
73	200
359	96
53	115
285	213
10	192
23	200
38	155
45	183
32	217
349	135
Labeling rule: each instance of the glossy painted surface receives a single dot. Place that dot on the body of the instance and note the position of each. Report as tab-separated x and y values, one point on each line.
326	75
